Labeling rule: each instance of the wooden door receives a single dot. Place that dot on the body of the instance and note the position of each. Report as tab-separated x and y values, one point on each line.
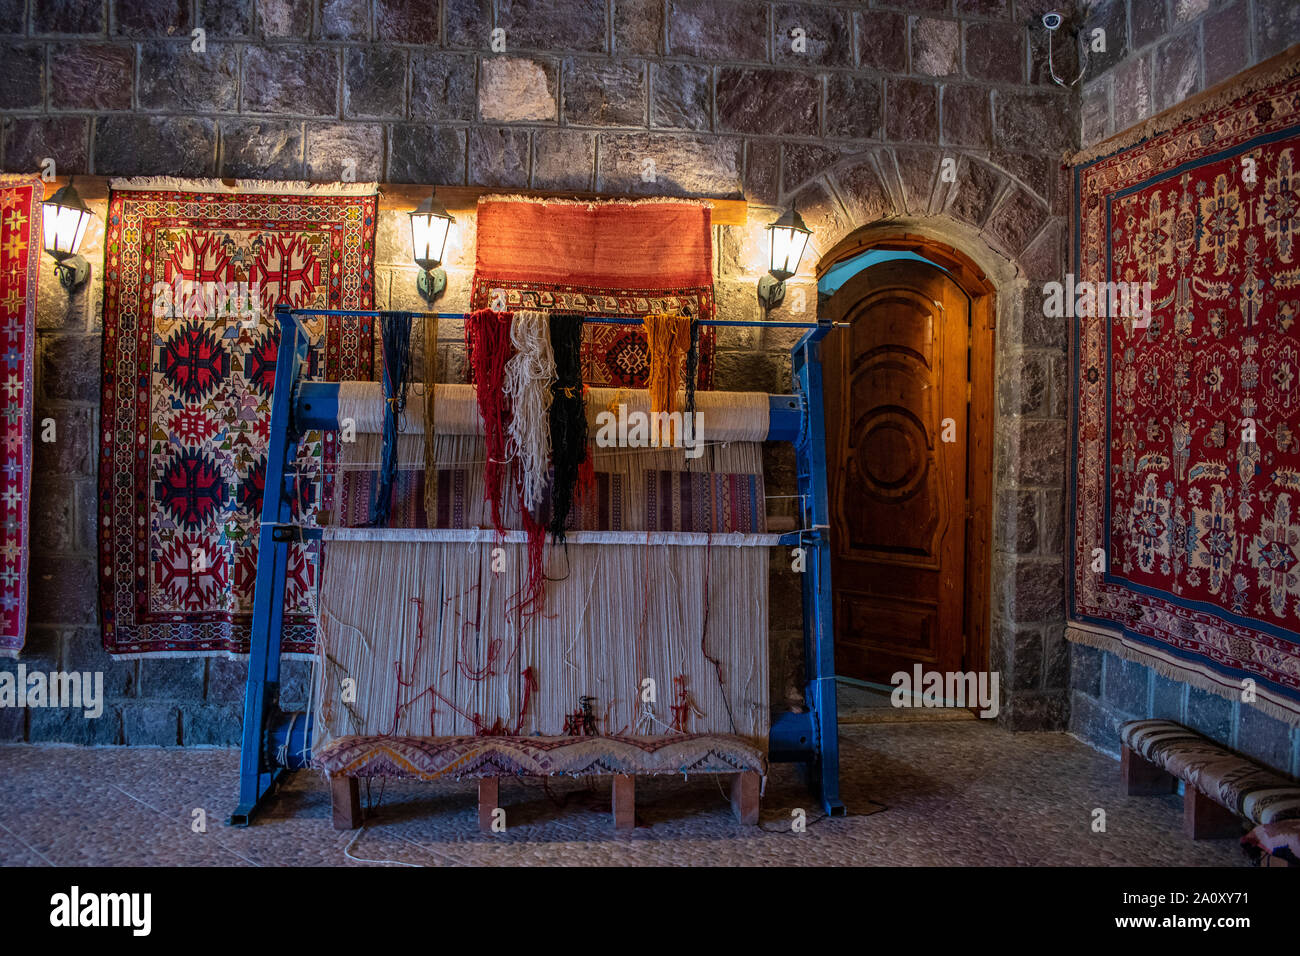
896	388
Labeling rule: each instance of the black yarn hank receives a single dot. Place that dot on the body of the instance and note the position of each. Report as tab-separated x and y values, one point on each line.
692	365
395	336
568	418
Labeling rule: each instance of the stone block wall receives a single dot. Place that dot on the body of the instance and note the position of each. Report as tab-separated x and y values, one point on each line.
654	97
1159	52
1106	691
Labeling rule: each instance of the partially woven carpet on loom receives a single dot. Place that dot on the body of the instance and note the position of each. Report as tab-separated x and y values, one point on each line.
600	258
1195	512
187	399
20	250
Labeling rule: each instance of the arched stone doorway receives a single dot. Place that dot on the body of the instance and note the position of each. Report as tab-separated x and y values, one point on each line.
910	409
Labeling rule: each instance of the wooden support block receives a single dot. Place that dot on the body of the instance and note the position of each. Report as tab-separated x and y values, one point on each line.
744	797
1203	819
1142	777
489	791
624	801
345	798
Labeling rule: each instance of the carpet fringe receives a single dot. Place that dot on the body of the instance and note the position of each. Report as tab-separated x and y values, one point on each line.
246	186
1102	640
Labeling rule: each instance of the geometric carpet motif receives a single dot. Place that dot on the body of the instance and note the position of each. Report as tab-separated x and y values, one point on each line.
1185	482
187	403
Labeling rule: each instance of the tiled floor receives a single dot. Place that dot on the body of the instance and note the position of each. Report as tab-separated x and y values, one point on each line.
942	794
865	704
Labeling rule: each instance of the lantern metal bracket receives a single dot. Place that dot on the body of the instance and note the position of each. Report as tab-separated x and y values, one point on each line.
72	271
431	283
771	291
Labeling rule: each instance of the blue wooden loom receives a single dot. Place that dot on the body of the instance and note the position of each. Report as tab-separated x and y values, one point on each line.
275	741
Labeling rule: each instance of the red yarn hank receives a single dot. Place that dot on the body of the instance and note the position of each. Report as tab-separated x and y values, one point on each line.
532	595
487	341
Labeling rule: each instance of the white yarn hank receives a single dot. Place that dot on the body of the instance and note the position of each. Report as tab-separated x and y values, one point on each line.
528	378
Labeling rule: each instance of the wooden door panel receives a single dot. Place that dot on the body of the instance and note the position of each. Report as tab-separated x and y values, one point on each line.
897	490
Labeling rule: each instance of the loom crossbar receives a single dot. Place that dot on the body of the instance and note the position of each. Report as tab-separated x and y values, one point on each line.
275	741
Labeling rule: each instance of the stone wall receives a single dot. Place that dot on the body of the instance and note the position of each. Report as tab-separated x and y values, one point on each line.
1159	52
709	95
1107	690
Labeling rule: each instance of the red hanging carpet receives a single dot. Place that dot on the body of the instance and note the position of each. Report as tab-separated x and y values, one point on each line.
20	251
600	258
187	399
1186	477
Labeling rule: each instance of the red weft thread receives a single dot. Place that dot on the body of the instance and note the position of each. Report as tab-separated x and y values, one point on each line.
487	340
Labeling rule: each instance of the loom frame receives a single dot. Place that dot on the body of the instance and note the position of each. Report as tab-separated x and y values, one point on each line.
275	742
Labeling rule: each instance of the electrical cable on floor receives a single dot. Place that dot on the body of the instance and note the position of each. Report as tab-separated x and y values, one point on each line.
347	852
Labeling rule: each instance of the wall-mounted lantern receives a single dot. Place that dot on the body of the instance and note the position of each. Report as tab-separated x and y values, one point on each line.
64	221
430	227
788	237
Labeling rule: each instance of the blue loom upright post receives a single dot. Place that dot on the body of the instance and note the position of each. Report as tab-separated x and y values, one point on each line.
818	625
257	771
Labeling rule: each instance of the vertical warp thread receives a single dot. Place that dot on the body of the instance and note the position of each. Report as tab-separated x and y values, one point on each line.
568	418
487	339
395	329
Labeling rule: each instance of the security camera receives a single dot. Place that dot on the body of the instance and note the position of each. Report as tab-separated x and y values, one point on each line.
1052	21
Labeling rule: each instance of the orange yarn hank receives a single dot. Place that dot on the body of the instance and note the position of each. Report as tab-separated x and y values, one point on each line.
668	338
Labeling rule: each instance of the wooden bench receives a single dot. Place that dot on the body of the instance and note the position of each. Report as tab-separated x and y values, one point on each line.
1220	787
488	759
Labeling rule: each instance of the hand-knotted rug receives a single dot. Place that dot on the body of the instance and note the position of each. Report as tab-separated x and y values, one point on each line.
20	250
187	398
621	258
1185	482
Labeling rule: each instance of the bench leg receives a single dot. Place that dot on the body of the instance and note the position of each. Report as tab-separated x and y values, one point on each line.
744	797
345	800
1203	819
489	792
1142	777
1271	861
624	802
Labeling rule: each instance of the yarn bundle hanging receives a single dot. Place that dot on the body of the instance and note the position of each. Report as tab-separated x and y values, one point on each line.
395	330
487	339
668	339
528	386
568	418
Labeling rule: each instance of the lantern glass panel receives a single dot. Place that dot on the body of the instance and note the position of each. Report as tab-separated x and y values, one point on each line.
64	227
429	237
787	249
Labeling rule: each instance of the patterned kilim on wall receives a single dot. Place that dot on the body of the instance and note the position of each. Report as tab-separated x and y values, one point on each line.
187	399
1186	474
621	258
20	251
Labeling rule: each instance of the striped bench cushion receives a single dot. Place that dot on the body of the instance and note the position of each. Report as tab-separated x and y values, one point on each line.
430	758
1281	840
1243	786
